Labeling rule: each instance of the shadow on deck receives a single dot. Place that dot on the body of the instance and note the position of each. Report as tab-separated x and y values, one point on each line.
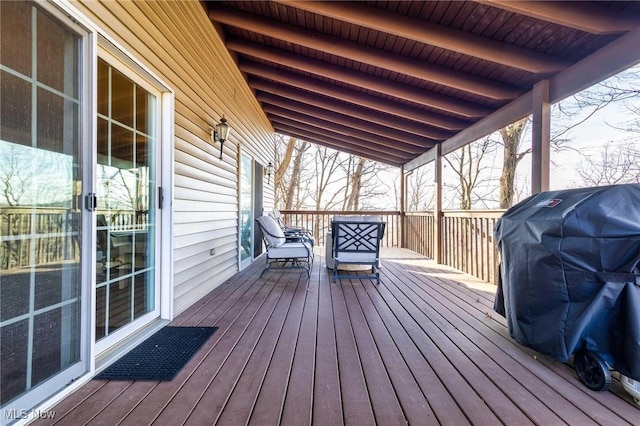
424	347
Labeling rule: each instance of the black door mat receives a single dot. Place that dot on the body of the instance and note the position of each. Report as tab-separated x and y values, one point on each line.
161	356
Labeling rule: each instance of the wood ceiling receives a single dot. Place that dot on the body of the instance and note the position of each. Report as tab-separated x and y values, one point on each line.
388	80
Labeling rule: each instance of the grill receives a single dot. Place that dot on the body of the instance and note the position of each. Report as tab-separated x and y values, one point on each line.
570	278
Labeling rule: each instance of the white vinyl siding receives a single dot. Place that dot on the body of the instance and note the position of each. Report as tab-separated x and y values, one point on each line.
177	42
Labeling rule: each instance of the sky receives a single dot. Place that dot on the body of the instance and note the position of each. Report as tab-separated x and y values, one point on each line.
588	138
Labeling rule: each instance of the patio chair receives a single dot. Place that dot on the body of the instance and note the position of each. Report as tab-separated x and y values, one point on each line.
292	233
282	253
357	242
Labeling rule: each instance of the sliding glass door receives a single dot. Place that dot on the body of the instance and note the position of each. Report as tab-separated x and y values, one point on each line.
126	203
41	182
78	215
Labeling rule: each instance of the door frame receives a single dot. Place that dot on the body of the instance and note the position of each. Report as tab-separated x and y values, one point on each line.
109	51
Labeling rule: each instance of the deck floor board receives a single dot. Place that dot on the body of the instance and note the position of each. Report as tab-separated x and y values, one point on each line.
423	347
327	407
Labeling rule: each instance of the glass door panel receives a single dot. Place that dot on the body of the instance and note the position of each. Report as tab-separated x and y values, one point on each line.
258	206
125	219
246	210
40	209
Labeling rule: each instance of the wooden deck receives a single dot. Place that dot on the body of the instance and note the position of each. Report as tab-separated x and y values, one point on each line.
424	347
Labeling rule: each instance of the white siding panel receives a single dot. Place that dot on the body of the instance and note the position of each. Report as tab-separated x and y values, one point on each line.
199	253
200	271
201	285
201	193
187	206
177	41
210	237
205	227
194	217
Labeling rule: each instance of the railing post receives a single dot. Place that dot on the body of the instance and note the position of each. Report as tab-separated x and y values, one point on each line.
403	224
437	206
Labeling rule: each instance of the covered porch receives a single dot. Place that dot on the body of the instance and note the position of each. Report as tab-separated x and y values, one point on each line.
423	347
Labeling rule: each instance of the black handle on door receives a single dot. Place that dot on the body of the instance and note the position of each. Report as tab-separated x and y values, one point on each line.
91	201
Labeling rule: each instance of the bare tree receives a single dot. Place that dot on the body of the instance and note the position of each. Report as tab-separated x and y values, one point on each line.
328	166
290	158
584	105
326	179
467	164
27	177
13	181
292	198
363	188
611	165
283	160
355	185
511	140
420	195
119	189
566	116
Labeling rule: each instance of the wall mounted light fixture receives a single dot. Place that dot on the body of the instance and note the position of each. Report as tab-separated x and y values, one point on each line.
268	170
220	133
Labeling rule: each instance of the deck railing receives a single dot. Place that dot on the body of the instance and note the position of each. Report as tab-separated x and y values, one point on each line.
467	236
468	243
319	222
48	235
39	236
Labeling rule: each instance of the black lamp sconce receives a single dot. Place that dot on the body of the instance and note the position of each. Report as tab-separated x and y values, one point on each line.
220	133
268	170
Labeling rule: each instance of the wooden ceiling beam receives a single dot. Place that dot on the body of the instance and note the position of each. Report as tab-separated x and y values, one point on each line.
590	17
322	133
340	144
331	129
362	53
366	81
354	97
348	109
433	34
345	120
347	150
308	133
341	147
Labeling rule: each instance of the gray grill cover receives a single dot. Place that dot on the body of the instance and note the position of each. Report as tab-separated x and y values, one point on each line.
570	273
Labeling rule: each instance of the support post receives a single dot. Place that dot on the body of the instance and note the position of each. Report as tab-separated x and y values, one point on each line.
403	224
540	138
437	206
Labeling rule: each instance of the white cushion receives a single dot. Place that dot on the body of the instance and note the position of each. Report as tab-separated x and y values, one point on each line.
356	257
272	231
289	251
